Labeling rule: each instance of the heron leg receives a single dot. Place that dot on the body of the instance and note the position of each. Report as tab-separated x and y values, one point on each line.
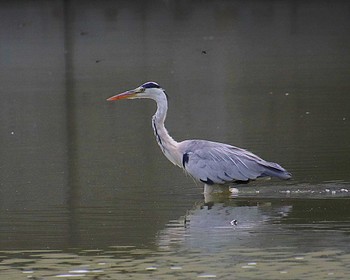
208	189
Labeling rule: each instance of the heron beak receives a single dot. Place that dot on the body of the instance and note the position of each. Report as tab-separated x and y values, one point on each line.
125	95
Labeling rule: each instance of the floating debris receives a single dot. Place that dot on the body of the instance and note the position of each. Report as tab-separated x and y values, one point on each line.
249	265
207	276
69	275
79	271
176	267
234	191
233	222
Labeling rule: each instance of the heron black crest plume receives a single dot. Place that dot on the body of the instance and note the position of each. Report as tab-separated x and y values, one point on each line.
212	163
150	85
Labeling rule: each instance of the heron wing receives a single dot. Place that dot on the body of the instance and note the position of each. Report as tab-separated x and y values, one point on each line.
217	163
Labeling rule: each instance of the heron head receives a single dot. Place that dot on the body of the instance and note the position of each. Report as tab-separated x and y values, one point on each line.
147	90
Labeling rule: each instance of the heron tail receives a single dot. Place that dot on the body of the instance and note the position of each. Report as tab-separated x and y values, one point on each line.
275	170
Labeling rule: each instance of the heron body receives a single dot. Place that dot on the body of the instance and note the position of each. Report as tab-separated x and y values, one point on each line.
209	162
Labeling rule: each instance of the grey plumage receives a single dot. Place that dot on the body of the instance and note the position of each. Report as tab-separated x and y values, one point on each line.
218	163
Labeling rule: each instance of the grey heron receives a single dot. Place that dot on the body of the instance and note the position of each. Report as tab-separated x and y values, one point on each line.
211	163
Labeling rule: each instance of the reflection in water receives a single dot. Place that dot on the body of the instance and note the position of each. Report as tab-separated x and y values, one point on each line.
271	240
213	226
260	222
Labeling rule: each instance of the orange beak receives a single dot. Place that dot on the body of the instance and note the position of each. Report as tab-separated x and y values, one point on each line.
125	95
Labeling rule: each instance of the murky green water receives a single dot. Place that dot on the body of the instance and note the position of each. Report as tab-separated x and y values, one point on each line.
85	192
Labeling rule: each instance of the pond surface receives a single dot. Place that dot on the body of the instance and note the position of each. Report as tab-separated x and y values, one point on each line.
85	192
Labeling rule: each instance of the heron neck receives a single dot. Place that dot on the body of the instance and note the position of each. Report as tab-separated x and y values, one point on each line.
167	144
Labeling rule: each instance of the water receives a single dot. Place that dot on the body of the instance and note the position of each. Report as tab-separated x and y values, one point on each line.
85	192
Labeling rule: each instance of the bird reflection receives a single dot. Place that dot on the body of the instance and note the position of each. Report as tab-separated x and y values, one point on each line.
216	224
